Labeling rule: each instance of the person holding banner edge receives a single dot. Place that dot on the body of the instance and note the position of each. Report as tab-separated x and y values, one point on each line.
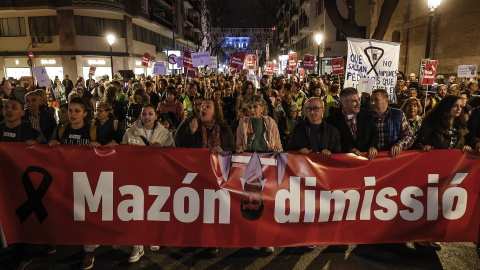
394	132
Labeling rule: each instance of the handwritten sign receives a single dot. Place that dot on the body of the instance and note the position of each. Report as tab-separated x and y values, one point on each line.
372	59
158	68
201	58
213	62
465	71
179	60
41	75
366	85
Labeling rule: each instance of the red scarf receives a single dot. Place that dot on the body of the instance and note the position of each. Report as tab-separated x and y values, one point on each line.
210	134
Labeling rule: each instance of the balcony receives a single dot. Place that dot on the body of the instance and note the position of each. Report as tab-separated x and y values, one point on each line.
304	3
194	4
303	23
114	4
294	13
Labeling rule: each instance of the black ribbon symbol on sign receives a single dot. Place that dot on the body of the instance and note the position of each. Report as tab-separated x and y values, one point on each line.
35	196
370	60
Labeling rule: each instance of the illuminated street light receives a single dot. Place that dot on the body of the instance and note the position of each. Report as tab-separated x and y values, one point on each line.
432	4
319	39
111	40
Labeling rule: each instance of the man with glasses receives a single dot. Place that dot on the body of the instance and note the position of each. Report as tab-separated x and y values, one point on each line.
314	135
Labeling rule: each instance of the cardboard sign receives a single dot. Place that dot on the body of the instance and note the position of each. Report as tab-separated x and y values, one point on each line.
179	60
91	71
302	75
366	85
41	75
429	73
158	68
146	59
276	67
308	61
465	71
213	62
250	77
250	62
201	58
337	66
187	59
238	58
292	60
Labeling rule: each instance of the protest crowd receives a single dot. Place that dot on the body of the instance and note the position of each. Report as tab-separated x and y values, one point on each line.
222	112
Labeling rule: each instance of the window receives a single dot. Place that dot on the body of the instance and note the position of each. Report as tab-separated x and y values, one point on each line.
12	27
146	36
43	26
319	7
145	6
98	27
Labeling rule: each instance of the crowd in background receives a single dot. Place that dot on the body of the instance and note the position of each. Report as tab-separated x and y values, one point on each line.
229	113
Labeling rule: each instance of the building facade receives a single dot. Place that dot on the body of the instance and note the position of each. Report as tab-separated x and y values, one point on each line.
69	36
301	20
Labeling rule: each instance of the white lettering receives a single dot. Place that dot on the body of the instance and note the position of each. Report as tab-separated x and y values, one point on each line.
293	196
82	192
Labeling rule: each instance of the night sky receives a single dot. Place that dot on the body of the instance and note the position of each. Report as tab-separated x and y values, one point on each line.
246	14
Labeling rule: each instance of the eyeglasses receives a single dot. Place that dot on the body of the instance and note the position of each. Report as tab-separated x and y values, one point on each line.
314	109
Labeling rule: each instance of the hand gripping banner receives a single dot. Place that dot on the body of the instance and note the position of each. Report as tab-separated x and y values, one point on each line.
188	197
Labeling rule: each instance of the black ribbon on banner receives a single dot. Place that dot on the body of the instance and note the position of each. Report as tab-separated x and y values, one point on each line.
35	196
371	60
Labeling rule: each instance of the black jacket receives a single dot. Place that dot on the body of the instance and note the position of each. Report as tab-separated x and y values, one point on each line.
185	138
474	122
300	138
367	135
47	122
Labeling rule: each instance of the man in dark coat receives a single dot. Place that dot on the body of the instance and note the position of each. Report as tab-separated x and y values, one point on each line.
356	125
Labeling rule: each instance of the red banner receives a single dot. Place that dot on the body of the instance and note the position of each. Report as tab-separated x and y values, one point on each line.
250	62
308	61
429	73
187	197
337	66
237	60
292	60
187	59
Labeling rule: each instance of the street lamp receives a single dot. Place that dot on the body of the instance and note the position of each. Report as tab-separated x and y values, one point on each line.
319	39
432	4
111	40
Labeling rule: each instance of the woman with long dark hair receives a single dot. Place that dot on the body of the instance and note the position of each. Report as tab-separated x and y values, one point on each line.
445	127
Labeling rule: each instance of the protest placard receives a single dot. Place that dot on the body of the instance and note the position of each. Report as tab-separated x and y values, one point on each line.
237	60
41	75
308	61
201	58
250	62
146	59
465	71
292	60
187	59
159	68
429	72
213	62
91	71
337	66
372	59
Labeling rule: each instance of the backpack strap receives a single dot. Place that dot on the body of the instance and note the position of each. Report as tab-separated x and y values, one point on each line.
145	141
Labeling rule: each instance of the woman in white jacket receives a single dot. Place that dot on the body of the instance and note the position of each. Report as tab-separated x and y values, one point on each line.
147	132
